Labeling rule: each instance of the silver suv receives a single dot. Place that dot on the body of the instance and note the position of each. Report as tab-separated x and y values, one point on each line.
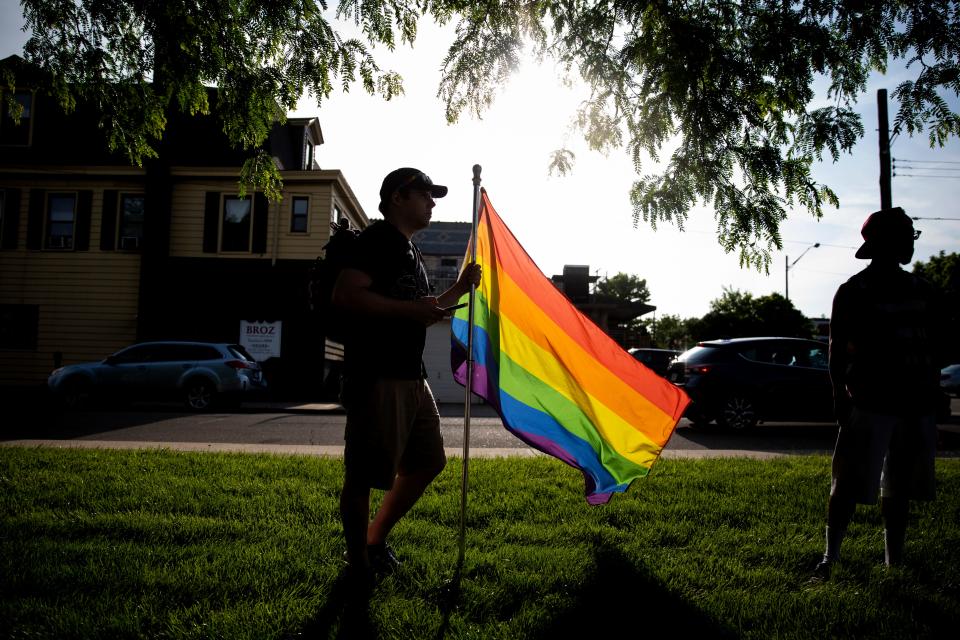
200	373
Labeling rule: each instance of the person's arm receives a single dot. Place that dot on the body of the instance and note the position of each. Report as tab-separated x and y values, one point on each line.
470	276
352	292
840	356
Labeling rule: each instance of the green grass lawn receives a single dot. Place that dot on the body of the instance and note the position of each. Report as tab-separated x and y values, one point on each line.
155	544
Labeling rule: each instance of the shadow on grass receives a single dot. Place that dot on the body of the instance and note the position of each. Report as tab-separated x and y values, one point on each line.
346	611
616	597
621	597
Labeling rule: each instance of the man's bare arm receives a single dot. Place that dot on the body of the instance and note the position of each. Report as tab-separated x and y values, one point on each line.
469	276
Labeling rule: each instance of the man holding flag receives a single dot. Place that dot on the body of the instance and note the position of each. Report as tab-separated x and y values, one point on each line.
393	439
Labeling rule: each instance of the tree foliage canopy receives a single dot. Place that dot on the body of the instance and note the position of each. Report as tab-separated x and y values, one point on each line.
943	271
738	314
726	85
623	287
731	84
138	61
670	331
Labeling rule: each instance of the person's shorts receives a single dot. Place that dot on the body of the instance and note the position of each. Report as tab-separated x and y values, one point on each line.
393	427
892	454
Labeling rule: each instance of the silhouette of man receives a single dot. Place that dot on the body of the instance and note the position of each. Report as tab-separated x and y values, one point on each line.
883	337
393	439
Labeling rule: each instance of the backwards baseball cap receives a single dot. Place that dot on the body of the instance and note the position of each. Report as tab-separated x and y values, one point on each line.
885	229
408	178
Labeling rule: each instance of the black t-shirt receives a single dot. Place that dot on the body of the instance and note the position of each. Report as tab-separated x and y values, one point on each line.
381	346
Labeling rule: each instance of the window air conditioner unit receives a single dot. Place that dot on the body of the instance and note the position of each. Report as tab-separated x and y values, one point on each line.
130	242
59	242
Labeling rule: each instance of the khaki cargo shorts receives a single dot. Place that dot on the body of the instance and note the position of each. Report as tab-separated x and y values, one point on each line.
393	427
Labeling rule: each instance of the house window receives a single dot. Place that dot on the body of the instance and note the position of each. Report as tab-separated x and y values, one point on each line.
11	131
298	214
307	155
61	220
336	215
236	227
131	221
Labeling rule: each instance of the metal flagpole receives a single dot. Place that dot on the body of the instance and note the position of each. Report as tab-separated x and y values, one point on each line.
468	387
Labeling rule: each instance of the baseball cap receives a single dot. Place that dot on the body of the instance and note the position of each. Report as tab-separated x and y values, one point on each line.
409	178
886	228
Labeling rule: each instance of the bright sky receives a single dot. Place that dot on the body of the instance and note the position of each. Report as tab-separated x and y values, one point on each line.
585	216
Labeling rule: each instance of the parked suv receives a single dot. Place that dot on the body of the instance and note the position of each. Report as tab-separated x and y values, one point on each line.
950	379
657	360
742	381
200	373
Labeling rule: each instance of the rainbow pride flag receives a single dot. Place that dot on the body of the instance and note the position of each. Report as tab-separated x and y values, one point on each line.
557	380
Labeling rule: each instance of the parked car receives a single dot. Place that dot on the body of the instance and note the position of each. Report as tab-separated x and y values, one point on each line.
741	381
657	360
200	373
950	379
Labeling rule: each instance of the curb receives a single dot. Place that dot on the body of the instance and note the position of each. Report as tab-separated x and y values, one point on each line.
337	451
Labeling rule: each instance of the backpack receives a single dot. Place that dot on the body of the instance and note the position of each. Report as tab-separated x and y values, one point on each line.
323	276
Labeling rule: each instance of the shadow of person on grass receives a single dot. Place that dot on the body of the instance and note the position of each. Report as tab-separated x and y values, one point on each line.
616	597
346	611
619	596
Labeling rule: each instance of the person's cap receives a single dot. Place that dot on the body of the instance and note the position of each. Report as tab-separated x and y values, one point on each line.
408	178
886	228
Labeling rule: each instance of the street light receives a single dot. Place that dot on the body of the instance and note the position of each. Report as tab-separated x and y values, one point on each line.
789	265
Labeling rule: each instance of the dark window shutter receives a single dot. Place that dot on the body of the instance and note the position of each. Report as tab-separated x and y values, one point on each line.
82	233
35	219
211	222
261	207
11	218
108	221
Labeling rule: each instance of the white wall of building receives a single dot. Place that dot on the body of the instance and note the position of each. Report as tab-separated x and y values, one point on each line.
436	360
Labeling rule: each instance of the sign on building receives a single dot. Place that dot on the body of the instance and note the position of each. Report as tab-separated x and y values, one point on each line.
261	338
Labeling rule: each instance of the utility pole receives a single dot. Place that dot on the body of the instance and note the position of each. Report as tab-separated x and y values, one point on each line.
886	198
787	265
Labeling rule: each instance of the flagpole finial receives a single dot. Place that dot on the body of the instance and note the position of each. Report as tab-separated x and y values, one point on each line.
476	175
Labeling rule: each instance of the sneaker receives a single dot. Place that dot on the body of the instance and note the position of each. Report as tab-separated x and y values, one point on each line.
382	558
822	572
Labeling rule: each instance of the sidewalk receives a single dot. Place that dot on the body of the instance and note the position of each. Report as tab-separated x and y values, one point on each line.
447	410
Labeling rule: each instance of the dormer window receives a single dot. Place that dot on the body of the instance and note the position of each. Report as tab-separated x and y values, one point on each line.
13	133
307	154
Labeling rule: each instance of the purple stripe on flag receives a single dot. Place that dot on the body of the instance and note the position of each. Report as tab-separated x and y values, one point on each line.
481	383
547	446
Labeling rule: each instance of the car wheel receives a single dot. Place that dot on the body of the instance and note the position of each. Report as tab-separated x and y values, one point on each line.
738	413
75	393
199	394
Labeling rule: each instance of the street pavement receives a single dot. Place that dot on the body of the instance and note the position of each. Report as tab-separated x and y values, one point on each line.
317	429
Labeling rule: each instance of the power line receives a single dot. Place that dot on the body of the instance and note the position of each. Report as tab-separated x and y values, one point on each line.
822	244
914	175
919	218
937	168
927	161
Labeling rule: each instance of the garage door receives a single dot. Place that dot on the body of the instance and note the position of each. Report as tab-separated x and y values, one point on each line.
436	359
